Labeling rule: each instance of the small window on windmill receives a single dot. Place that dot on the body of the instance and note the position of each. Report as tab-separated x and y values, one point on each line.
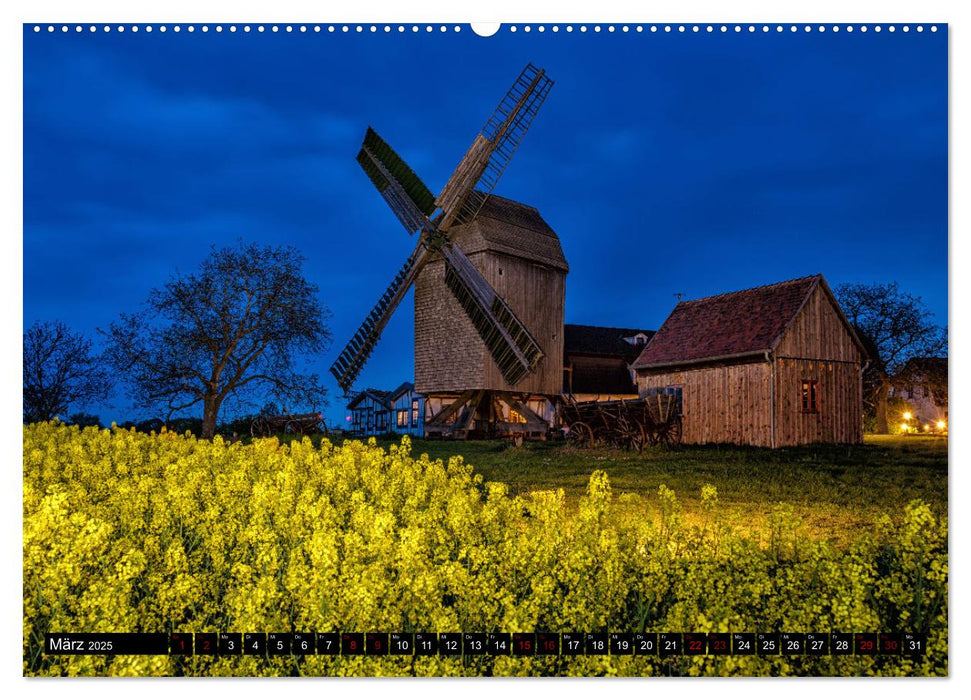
500	272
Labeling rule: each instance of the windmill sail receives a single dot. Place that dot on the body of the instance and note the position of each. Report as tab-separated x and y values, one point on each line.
352	358
480	169
401	188
514	350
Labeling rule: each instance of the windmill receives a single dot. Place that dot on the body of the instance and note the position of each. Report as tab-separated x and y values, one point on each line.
441	260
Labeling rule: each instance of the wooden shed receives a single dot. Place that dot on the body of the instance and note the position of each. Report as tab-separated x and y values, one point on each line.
771	366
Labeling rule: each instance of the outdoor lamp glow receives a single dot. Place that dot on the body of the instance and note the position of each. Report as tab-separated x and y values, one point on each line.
907	415
941	425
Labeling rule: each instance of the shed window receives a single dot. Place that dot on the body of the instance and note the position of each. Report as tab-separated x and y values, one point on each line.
810	396
402	418
414	411
678	392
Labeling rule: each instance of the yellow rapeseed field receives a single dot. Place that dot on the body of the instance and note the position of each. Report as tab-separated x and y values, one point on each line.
133	532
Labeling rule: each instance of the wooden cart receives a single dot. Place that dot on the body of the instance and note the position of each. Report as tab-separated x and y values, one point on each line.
290	423
625	424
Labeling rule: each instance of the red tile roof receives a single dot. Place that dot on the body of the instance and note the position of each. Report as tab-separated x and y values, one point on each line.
738	323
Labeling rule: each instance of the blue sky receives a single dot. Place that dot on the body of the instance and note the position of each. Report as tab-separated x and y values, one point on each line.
667	163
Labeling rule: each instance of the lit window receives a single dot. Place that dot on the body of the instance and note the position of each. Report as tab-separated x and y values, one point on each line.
414	411
402	418
810	396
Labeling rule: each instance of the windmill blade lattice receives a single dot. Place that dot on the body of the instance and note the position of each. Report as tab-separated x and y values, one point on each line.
352	358
401	188
483	164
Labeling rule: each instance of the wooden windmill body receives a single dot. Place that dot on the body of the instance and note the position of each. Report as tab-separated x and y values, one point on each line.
520	256
489	278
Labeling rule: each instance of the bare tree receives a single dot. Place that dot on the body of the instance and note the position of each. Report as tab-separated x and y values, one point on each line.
240	325
59	370
896	327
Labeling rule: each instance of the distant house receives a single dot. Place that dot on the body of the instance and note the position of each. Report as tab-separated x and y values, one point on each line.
376	412
923	384
369	411
772	366
597	359
408	410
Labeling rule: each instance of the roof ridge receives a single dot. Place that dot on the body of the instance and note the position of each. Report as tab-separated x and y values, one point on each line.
610	328
749	289
511	201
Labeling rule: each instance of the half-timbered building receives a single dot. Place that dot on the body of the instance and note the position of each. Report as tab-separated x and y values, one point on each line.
375	412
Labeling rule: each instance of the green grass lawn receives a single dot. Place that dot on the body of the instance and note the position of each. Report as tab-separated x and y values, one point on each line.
836	491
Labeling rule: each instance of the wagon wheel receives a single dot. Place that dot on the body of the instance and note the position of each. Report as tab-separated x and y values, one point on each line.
293	427
259	427
620	435
672	436
653	433
635	434
603	436
579	434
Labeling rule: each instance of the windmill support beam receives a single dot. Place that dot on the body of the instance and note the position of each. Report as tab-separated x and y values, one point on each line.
533	420
446	413
478	413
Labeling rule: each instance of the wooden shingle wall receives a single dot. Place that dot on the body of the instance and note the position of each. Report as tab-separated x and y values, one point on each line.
449	355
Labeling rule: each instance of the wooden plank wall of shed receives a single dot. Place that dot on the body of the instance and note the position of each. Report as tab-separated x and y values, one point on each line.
840	415
818	346
817	332
727	404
